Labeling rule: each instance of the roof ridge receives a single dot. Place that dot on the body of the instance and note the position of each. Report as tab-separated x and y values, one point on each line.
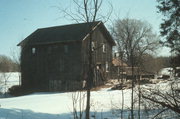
68	25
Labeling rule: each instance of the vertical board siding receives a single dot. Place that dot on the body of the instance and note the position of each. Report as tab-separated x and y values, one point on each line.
64	66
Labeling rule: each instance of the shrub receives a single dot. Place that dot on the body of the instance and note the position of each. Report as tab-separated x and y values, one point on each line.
15	90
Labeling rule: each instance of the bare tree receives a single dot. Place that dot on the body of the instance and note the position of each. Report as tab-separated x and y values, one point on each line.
168	99
122	82
78	99
153	64
5	77
16	57
134	38
15	54
86	11
6	66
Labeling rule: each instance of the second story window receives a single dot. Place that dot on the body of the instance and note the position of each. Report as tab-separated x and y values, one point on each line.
93	45
107	67
103	47
33	50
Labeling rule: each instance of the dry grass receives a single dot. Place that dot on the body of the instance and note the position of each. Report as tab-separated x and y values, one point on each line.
100	87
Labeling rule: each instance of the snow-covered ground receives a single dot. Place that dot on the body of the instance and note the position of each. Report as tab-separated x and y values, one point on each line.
104	104
166	71
7	80
55	105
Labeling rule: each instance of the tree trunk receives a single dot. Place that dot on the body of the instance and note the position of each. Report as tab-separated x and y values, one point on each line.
139	95
90	77
88	104
132	93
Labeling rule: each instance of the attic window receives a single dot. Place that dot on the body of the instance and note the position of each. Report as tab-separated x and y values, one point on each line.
33	50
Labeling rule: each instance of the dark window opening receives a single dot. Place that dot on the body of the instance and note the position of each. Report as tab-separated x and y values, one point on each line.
49	50
66	48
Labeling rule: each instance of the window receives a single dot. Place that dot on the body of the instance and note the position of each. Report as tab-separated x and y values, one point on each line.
66	48
93	45
61	63
104	48
107	67
33	50
49	50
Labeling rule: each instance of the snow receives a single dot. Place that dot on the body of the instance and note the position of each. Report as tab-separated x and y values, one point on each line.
164	85
59	105
55	104
7	80
166	71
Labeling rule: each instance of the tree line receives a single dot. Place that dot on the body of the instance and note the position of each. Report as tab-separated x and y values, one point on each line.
7	64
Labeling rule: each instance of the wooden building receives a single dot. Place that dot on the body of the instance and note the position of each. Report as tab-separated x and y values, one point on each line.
56	58
118	69
121	70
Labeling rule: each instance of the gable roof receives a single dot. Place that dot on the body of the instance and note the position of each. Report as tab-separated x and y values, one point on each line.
119	62
66	33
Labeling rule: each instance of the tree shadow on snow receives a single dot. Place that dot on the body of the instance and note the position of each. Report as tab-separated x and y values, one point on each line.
111	114
28	114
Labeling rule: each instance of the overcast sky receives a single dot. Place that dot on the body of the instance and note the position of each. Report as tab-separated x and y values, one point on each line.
19	18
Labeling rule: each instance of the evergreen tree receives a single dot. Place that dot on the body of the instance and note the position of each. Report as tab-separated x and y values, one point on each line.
170	27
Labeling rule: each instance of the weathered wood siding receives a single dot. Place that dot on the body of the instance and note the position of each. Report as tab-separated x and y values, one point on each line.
101	56
64	66
52	67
